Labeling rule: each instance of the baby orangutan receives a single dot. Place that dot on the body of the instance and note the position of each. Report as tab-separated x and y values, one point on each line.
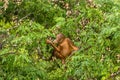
64	47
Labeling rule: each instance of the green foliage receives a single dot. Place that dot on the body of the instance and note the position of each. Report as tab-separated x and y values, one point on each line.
93	26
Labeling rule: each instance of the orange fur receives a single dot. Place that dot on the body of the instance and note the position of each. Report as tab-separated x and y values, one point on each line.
65	47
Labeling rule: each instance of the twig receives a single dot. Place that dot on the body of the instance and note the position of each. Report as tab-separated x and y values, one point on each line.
24	17
20	20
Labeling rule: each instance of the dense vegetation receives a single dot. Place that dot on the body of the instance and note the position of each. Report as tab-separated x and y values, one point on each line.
93	25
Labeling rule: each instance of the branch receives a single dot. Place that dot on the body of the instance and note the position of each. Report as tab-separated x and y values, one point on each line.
7	54
20	20
24	17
